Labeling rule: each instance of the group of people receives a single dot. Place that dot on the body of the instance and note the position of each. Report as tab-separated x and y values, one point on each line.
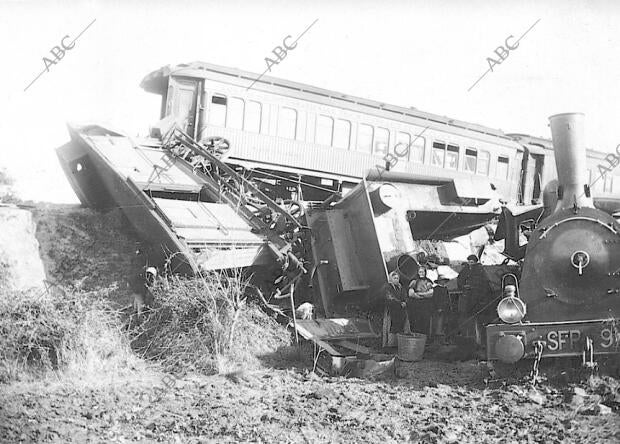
426	304
422	302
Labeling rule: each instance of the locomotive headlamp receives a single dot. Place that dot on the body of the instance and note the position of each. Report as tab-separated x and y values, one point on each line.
580	260
511	310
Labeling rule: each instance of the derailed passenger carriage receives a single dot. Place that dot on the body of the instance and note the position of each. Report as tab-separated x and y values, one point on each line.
314	142
304	142
568	300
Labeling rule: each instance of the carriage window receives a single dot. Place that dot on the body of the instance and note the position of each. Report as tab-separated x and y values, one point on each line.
595	181
253	111
438	154
483	162
235	113
417	149
287	123
502	167
402	147
217	116
324	130
364	137
382	141
409	150
452	157
607	183
342	134
471	158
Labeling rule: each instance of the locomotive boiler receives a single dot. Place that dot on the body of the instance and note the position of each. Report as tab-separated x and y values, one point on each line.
567	302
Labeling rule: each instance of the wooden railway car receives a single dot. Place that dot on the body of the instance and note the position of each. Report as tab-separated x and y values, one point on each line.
328	140
305	142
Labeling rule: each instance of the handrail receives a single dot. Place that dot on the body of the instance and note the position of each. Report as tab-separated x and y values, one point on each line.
231	188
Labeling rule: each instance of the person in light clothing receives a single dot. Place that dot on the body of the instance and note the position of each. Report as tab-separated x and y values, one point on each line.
420	303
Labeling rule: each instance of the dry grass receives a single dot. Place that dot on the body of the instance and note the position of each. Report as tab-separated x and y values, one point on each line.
205	324
43	333
87	251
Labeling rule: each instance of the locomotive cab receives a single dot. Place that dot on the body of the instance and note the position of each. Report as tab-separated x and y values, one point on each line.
569	298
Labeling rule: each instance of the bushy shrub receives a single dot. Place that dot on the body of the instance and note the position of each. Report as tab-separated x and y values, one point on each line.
205	324
43	331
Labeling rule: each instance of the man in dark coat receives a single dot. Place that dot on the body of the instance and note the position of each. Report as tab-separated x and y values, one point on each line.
474	284
395	302
441	303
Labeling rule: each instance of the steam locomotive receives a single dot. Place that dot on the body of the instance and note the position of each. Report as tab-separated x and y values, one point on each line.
567	301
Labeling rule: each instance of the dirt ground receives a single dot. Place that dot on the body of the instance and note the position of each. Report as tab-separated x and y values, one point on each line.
431	401
86	250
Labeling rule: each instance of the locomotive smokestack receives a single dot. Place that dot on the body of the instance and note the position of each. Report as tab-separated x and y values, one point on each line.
567	132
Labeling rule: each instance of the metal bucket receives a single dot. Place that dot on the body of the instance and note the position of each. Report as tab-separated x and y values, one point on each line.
411	346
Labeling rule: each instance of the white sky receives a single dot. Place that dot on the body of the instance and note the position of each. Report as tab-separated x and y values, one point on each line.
424	54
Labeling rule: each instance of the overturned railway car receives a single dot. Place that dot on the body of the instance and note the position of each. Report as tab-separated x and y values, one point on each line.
192	219
378	228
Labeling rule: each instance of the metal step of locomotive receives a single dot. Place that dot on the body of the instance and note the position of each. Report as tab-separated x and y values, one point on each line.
224	184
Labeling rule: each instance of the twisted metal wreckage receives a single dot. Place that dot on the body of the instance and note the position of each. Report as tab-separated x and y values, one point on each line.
196	214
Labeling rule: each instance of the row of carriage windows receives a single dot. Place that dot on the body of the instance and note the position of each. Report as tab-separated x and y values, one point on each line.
236	113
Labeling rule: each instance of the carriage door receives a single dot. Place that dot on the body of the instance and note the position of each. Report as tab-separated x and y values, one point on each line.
528	179
183	96
539	163
531	181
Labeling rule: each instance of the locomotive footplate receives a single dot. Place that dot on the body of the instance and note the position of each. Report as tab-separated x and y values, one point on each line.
511	342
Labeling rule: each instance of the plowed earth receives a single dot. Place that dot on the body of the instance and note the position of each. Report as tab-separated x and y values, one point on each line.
431	401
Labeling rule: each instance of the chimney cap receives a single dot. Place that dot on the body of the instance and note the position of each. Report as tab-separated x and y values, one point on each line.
566	114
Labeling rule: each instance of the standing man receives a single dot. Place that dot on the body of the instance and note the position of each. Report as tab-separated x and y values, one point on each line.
441	302
474	284
420	304
395	301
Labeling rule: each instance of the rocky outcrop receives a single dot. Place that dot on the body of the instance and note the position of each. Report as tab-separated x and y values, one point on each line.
21	267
